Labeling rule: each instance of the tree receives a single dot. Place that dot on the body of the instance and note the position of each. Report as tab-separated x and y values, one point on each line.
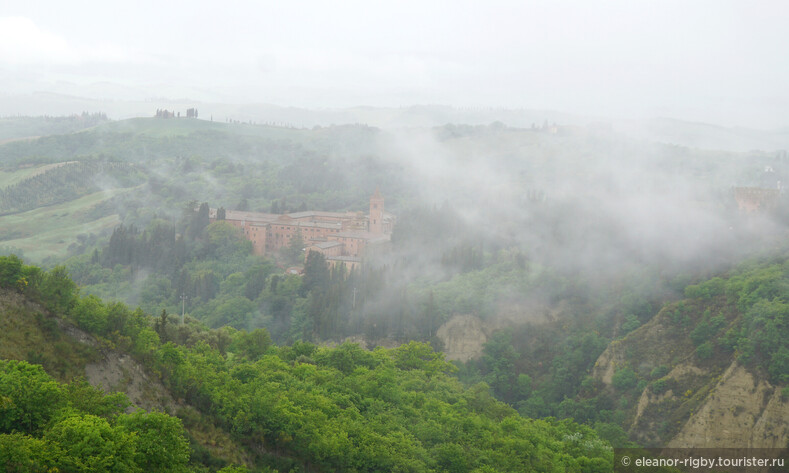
90	444
346	357
705	350
200	220
224	241
624	379
29	397
252	344
83	397
451	458
58	291
420	356
22	454
523	386
255	278
499	357
779	366
90	314
234	469
295	248
431	318
160	441
161	327
10	271
316	273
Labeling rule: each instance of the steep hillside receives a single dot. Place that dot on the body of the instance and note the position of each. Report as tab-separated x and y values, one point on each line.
30	332
711	370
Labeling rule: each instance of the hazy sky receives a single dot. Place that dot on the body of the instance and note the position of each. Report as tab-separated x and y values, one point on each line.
718	61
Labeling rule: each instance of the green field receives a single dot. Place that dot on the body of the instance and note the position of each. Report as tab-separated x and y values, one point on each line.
48	231
9	178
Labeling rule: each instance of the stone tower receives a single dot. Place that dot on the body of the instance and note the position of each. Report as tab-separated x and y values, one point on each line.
376	213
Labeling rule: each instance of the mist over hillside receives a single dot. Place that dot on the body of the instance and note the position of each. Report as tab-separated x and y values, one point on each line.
582	196
579	198
501	236
665	130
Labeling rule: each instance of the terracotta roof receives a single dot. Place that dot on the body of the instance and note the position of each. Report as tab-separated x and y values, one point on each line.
259	223
243	215
318	213
369	236
318	224
354	259
327	244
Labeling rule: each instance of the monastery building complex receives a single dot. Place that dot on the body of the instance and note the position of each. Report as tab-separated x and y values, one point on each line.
342	237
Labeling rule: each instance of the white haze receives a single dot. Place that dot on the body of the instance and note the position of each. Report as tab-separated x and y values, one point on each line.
585	200
599	205
721	62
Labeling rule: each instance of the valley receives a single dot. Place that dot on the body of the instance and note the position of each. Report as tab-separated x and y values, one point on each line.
644	308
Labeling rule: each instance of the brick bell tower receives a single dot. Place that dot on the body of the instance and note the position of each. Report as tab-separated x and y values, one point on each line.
376	220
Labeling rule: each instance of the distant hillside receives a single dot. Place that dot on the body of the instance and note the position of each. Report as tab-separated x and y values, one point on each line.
46	209
705	135
261	113
662	130
58	193
14	128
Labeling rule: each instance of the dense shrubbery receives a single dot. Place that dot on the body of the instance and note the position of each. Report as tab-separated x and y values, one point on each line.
760	336
309	407
46	426
387	410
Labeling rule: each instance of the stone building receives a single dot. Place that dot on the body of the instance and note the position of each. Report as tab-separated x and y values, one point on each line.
765	197
756	199
342	237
